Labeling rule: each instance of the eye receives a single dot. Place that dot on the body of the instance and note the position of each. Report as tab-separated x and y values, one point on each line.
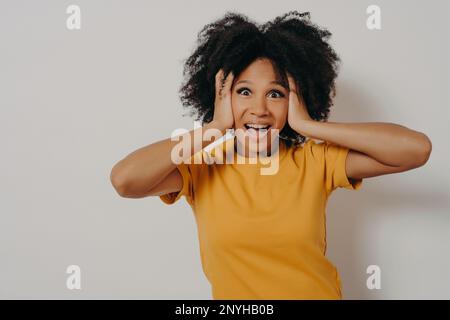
239	91
279	94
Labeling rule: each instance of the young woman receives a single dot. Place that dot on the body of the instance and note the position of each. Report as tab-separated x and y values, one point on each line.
263	236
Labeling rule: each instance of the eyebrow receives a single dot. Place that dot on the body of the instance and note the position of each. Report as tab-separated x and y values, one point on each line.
274	82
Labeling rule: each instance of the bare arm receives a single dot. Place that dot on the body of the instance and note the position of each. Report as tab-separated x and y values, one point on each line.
376	148
150	171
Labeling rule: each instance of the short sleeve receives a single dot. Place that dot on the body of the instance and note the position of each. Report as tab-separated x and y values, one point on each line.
186	190
336	176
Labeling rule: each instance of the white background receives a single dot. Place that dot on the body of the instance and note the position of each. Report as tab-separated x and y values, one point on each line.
73	103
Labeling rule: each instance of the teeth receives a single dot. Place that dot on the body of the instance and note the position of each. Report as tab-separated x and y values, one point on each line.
257	126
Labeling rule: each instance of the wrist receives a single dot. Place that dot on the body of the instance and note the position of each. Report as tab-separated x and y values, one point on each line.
301	126
214	124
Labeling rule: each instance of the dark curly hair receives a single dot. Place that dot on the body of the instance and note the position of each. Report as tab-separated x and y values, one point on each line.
291	41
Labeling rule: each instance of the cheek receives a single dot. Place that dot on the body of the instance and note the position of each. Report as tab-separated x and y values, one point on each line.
237	108
280	115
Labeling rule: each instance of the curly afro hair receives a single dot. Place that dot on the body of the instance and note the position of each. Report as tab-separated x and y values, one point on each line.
291	41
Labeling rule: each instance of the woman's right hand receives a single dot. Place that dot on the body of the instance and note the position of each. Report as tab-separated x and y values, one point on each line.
223	114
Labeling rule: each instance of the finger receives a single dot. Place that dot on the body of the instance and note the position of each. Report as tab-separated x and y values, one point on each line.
293	96
292	84
218	82
228	83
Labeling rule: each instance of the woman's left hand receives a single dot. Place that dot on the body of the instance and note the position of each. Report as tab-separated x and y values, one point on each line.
297	112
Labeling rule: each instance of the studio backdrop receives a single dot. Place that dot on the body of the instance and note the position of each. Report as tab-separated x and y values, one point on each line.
84	83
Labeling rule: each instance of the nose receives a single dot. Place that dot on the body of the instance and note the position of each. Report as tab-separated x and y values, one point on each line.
259	108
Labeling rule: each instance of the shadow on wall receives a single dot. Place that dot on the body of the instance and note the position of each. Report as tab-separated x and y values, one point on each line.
350	213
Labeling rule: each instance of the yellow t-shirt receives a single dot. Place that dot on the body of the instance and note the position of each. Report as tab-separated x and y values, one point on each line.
264	236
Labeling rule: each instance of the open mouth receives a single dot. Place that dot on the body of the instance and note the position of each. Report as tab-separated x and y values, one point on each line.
256	126
257	131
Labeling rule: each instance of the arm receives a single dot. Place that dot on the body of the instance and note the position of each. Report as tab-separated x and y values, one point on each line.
376	148
150	171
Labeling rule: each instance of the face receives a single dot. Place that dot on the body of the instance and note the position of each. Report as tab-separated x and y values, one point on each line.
260	105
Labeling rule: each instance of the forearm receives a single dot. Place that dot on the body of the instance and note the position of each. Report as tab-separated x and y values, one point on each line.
388	143
144	168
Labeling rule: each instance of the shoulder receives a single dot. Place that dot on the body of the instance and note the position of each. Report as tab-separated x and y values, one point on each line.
318	152
309	149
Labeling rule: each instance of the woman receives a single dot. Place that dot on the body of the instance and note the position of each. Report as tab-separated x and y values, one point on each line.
263	236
